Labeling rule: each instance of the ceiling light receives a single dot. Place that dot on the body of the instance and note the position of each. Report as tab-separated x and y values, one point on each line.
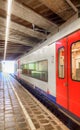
7	26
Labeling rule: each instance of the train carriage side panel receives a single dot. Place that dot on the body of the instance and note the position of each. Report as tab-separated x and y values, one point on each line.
44	53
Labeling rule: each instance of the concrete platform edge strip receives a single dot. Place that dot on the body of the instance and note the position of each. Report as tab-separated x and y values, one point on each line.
24	110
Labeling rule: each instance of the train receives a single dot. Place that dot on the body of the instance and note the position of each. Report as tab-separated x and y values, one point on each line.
54	68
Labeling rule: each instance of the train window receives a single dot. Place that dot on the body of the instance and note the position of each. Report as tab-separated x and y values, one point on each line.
75	59
61	62
38	70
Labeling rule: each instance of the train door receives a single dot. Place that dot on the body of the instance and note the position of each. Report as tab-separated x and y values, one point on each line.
68	73
74	72
61	74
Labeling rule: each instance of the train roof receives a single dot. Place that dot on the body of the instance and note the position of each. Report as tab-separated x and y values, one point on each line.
71	28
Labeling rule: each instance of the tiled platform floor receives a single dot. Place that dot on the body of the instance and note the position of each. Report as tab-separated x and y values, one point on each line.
11	113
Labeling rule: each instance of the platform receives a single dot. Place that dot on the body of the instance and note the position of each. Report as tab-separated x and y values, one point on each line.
19	110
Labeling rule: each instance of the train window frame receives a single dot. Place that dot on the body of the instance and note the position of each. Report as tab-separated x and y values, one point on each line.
58	62
71	61
38	71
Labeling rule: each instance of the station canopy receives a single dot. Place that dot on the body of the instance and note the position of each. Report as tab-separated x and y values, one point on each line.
32	22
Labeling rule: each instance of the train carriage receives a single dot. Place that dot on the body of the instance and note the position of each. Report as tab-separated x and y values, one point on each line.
55	68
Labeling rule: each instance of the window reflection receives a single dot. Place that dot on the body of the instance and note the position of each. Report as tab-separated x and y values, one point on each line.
75	52
61	62
38	70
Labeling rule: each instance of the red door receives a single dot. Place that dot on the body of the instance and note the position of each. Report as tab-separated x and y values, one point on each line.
74	72
61	75
68	73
